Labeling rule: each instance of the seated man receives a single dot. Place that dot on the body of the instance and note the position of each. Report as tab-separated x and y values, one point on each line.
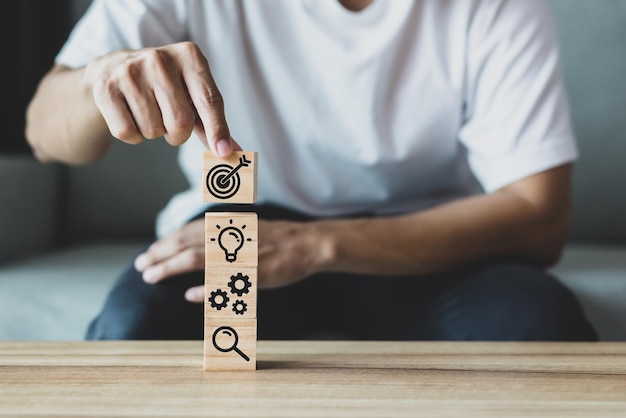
374	121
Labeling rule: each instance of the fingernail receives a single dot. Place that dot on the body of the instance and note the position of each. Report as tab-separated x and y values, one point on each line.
224	148
192	295
141	262
150	275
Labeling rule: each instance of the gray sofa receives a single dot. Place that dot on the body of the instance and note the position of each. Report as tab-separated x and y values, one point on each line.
50	292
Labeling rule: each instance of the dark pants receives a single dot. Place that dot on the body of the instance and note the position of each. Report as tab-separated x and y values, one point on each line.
503	301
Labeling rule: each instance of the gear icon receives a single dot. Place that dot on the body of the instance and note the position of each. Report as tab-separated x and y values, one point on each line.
239	284
219	299
239	307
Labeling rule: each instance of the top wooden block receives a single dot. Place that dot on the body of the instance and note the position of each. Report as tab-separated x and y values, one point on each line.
231	180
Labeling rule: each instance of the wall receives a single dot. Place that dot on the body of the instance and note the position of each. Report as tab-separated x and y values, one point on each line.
593	39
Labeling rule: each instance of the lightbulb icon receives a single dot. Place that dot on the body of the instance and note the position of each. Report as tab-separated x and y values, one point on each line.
231	240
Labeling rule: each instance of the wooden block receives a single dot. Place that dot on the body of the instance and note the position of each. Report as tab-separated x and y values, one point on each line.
231	180
230	344
231	239
230	292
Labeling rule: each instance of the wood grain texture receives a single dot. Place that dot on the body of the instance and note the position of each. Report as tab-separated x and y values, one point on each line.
231	239
315	379
230	292
220	186
229	344
231	257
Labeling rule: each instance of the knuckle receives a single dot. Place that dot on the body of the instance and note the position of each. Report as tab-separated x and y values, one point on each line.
190	48
152	132
153	252
178	243
164	270
174	140
190	258
211	97
156	61
180	115
184	123
104	90
101	87
125	132
136	140
197	258
180	126
129	70
218	129
132	141
153	57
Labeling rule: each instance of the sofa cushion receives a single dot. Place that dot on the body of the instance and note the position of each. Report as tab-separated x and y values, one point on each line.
120	196
597	275
54	296
28	208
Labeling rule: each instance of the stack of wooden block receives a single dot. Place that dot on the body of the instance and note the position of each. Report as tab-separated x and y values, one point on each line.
231	260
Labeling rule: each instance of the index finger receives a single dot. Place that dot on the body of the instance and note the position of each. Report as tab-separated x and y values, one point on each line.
208	103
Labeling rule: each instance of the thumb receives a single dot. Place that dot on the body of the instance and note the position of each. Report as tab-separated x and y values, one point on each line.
195	294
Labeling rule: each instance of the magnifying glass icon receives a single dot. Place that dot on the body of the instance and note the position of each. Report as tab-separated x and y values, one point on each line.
227	334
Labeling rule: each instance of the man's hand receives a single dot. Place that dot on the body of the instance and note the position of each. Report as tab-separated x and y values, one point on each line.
130	95
291	251
152	92
526	221
178	253
288	252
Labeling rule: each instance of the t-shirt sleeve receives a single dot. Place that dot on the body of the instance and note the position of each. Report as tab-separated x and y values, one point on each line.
516	120
110	25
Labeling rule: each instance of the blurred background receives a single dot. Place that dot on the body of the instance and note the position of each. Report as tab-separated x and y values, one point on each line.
66	232
62	203
34	32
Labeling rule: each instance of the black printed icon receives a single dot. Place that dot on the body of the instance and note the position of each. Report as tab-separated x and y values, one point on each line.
240	307
239	284
225	339
218	299
223	180
231	240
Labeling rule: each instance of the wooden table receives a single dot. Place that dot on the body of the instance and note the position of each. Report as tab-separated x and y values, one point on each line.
306	379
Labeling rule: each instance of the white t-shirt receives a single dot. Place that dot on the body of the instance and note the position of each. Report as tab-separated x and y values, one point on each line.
392	109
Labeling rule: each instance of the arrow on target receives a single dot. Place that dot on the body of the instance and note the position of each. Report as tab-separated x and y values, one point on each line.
243	162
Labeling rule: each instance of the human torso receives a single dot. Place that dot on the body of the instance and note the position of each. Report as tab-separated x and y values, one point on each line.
350	112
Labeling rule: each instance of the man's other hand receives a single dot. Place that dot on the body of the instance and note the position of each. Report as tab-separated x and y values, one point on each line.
288	252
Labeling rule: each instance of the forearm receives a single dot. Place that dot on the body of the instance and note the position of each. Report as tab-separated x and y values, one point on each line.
131	95
63	122
467	231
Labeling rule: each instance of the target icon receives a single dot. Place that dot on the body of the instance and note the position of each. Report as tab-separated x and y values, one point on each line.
223	180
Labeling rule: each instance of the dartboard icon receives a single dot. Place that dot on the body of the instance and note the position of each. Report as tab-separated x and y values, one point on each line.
223	180
221	183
